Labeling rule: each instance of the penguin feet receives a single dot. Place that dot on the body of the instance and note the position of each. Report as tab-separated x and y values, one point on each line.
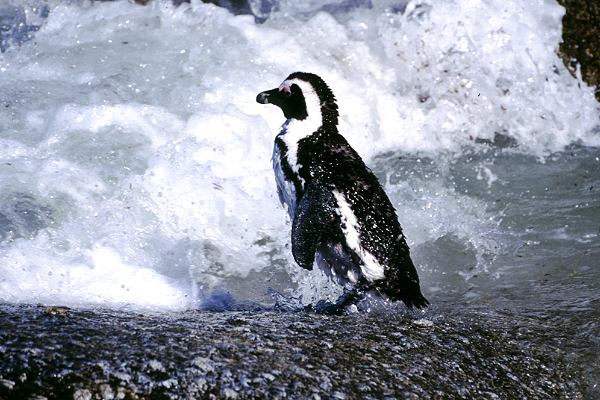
345	301
326	307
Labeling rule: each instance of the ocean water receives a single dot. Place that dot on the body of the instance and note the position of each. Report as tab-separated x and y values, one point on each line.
135	164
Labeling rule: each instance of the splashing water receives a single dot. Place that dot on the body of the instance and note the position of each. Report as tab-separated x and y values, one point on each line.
135	165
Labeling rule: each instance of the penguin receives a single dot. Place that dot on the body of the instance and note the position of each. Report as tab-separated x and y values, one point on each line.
342	219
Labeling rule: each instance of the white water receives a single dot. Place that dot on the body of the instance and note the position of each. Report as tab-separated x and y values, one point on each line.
135	164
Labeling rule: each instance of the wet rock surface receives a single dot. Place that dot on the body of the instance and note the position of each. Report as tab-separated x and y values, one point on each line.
581	35
62	353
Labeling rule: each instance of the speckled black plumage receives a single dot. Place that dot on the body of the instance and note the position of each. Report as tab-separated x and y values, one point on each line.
328	163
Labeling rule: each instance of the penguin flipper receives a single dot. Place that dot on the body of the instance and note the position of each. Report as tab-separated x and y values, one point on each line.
314	216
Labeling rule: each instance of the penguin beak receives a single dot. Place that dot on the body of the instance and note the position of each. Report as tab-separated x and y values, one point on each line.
267	96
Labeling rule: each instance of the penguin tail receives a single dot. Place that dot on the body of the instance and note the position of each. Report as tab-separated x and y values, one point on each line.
416	300
410	295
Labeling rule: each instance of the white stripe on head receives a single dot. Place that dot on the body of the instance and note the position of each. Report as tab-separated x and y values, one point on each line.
370	268
295	130
311	98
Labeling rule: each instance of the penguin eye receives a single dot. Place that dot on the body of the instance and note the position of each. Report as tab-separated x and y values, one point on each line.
286	91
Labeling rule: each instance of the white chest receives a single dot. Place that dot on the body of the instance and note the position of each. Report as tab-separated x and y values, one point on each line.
291	133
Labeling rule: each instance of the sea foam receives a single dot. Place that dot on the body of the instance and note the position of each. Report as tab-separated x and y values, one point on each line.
135	164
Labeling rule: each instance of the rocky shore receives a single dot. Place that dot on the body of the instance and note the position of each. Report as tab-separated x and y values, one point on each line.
59	353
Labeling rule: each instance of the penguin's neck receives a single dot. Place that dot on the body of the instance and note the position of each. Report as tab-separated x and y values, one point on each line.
291	133
300	128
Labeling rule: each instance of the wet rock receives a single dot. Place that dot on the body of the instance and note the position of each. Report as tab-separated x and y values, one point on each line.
581	35
113	354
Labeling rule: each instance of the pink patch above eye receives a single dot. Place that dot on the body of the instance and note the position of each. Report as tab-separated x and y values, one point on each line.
285	88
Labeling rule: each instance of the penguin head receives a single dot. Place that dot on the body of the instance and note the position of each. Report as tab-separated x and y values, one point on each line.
302	96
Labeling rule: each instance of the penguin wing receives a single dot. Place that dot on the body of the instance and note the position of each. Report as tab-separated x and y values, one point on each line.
284	197
315	216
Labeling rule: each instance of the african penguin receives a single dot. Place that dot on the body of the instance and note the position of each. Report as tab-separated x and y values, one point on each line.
341	217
